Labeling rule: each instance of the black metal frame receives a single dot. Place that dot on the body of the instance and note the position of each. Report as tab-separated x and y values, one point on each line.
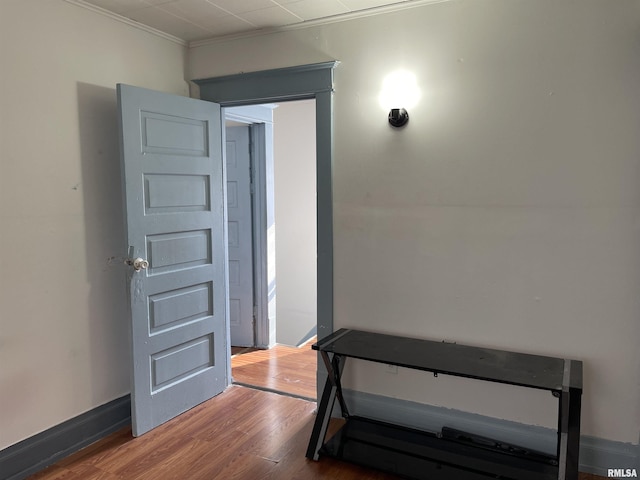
423	455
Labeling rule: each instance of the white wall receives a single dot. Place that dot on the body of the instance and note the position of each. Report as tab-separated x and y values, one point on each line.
63	318
507	213
295	215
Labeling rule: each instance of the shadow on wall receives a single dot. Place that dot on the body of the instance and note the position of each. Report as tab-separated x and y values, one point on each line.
108	325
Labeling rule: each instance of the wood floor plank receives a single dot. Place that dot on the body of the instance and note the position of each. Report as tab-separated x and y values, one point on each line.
175	465
277	444
140	454
55	472
90	472
246	466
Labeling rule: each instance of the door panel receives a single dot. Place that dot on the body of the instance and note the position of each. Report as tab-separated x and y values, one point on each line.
176	193
174	206
241	314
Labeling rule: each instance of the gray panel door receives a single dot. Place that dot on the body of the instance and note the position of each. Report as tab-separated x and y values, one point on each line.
241	314
171	150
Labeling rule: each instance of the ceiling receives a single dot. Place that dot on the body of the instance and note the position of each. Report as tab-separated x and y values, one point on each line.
194	20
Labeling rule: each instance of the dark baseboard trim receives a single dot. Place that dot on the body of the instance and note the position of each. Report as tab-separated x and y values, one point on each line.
35	453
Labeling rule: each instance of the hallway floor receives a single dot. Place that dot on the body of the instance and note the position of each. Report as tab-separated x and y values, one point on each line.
282	368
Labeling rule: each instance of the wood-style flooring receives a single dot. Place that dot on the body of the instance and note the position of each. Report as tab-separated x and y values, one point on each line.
242	434
281	368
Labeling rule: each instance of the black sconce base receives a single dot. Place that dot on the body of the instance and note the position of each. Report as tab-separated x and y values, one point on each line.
398	117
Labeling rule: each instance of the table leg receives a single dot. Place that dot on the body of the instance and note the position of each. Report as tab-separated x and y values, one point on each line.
569	427
338	368
332	389
322	419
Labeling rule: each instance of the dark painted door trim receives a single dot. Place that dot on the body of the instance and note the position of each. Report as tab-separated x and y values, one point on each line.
295	83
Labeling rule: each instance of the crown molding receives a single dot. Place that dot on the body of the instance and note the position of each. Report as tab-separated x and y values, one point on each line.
128	21
265	31
343	17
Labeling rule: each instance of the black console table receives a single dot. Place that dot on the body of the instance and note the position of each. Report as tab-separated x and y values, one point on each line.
449	454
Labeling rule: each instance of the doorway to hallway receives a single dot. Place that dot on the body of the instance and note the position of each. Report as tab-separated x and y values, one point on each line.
286	176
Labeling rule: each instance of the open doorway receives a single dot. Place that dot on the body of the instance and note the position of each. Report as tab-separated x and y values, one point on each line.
312	81
271	191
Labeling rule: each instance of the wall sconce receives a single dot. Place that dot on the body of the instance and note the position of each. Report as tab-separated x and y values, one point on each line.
399	93
398	117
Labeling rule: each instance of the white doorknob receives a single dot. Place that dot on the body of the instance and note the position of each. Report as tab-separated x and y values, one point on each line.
137	263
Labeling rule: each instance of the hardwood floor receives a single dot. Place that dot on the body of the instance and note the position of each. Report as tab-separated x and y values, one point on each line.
242	434
281	368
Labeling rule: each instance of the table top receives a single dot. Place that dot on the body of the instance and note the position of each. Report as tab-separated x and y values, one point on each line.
547	373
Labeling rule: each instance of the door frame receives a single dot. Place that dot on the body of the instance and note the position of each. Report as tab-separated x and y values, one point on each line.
314	81
259	119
